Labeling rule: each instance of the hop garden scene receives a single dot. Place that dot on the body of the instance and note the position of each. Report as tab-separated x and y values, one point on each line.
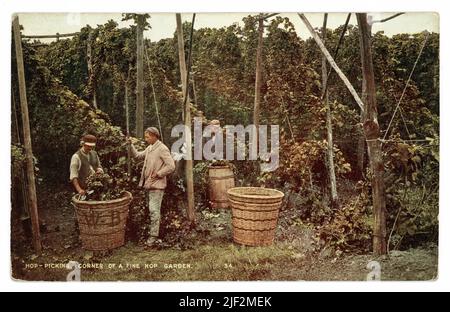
345	112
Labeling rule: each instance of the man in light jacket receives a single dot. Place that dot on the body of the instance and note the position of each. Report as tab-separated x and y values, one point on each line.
158	163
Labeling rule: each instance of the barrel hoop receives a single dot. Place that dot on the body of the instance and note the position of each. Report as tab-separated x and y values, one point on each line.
254	230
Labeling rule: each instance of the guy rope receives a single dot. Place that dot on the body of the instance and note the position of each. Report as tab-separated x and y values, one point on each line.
406	85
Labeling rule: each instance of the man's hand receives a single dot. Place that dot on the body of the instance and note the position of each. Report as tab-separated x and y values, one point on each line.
81	192
99	170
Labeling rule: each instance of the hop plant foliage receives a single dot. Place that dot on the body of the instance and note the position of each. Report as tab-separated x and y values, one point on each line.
17	159
100	186
60	90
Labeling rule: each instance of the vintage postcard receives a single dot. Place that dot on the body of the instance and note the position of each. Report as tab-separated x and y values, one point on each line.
225	146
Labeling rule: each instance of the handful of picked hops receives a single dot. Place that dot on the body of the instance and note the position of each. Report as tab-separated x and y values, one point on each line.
100	187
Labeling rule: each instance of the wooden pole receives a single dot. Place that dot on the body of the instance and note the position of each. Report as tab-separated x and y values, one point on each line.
387	19
127	121
91	70
266	17
181	59
194	89
258	81
155	102
361	150
140	77
25	215
330	151
58	35
27	137
331	61
372	133
187	121
336	50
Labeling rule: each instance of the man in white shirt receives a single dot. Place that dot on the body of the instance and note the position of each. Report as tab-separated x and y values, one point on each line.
83	163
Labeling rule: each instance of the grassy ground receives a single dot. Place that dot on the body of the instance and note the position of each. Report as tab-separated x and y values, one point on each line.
211	258
230	262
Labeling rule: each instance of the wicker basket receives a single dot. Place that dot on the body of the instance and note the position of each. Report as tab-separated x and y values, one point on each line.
255	214
102	223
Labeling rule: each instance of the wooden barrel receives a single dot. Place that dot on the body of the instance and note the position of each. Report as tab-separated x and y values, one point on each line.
221	179
255	214
102	223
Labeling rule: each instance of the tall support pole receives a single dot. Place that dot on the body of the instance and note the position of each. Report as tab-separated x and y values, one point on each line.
140	77
330	151
153	93
27	137
258	81
181	60
91	81
361	149
187	121
127	121
372	133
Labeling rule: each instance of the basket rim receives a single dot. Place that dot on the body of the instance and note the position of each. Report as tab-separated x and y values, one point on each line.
75	199
277	194
218	166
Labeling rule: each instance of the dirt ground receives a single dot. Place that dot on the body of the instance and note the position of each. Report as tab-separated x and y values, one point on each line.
211	258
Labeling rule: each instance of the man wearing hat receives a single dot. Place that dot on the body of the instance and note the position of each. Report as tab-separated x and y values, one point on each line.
158	163
83	163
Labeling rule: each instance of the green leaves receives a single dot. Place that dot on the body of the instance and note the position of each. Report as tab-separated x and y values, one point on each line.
137	18
101	186
18	158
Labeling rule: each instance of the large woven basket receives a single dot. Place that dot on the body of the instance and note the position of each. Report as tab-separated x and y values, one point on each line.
102	223
255	214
